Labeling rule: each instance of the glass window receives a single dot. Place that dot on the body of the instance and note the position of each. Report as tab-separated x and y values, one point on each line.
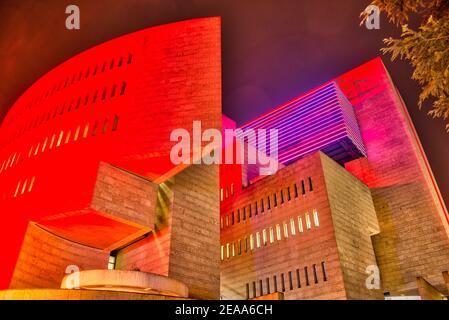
315	218
292	227
308	224
257	239
271	235
278	232
300	227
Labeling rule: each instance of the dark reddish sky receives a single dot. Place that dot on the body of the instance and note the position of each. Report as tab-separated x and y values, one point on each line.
273	50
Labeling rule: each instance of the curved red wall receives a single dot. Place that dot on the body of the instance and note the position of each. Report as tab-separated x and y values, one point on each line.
118	103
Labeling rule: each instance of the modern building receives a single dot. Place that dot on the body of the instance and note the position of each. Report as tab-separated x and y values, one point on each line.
90	198
355	198
86	179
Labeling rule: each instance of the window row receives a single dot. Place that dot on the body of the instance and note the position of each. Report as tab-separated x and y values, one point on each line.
24	186
84	74
270	235
226	192
64	137
75	104
288	281
267	203
81	131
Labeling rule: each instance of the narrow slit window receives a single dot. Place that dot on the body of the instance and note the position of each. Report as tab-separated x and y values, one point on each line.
86	130
290	280
251	242
257	239
61	134
227	220
122	91
300	226
278	232
227	250
105	125
306	275
120	62
303	187
233	249
239	247
285	230
77	132
246	244
261	206
53	138
94	99
255	209
315	275
275	283
282	282
115	124
298	278
130	58
261	287
221	194
275	200
268	285
250	211
247	291
67	137
30	188
315	218
254	289
310	184
221	223
86	100
292	227
17	189
308	224
24	186
282	196
232	189
111	66
271	235
244	213
323	270
268	203
95	128
238	215
232	218
222	253
264	237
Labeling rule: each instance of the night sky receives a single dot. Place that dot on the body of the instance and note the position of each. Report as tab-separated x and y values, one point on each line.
273	50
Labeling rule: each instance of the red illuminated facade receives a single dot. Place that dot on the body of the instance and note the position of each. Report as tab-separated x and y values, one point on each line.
115	103
86	182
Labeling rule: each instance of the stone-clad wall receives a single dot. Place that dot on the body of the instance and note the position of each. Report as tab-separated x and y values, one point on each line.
195	239
292	254
125	195
413	239
44	258
186	245
354	220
